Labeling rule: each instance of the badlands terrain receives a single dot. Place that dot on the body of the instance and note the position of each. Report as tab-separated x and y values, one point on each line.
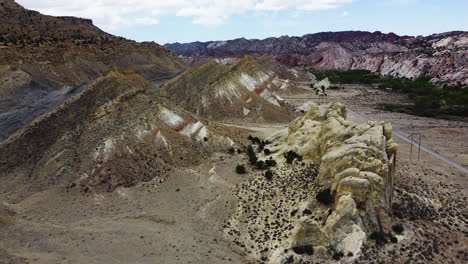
113	151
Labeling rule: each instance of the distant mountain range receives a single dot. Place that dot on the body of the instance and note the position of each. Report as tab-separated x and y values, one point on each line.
444	57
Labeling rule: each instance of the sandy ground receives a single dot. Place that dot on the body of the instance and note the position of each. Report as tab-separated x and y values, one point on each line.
177	221
180	220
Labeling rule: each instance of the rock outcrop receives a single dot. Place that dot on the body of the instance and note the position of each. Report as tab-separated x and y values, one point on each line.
440	56
44	60
355	171
118	131
249	89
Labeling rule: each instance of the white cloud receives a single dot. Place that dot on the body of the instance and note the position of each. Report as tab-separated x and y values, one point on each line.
306	5
113	14
146	21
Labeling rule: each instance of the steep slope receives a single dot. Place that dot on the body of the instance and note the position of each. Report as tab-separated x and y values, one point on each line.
441	56
115	132
44	60
249	89
68	51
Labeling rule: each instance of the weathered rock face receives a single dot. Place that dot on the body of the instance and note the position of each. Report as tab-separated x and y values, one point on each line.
249	89
118	131
440	56
354	163
68	51
44	60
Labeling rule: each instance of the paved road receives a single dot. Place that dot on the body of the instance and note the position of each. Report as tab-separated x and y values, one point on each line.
423	147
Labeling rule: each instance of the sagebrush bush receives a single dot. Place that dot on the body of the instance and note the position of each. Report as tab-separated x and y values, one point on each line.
240	169
324	196
398	229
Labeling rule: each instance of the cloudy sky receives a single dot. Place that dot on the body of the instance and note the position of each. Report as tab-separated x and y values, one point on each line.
166	21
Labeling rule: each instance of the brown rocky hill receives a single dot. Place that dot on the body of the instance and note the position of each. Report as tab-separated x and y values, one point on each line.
249	89
440	56
44	60
116	132
69	51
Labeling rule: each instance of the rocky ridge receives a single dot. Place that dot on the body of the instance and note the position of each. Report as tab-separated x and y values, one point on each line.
440	56
116	132
44	60
249	89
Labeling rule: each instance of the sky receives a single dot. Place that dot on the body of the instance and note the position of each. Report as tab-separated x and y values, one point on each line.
168	21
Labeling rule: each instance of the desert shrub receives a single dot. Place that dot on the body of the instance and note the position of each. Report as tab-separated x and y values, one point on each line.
251	154
293	212
240	169
231	150
269	175
337	255
260	164
266	152
205	139
255	140
270	162
379	237
324	196
307	249
393	239
260	148
290	156
253	160
398	229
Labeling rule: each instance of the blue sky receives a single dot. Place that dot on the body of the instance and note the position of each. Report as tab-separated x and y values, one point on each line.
165	21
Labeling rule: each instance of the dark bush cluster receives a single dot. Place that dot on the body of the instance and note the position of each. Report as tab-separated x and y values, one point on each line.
301	250
290	156
383	238
251	154
260	165
347	76
269	175
324	196
263	165
240	169
270	162
398	229
337	255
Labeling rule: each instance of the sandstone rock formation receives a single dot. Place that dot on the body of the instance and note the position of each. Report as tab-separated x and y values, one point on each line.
440	56
355	168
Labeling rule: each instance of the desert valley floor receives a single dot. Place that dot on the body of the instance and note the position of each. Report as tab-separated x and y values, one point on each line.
183	217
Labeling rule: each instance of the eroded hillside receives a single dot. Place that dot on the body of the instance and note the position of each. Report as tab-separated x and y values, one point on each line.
442	57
